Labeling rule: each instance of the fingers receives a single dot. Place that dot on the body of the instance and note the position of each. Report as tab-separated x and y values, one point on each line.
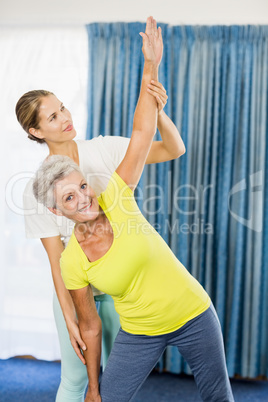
152	42
155	27
151	27
78	344
160	33
161	100
160	95
77	350
160	104
144	36
158	88
157	84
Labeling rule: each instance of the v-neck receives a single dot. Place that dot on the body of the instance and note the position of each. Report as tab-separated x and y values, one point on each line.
107	252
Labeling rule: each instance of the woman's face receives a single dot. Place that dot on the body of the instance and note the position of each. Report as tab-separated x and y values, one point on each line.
56	123
75	199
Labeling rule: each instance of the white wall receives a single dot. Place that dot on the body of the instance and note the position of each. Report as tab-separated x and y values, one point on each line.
66	12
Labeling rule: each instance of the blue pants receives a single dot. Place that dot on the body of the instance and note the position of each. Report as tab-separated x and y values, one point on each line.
73	372
200	343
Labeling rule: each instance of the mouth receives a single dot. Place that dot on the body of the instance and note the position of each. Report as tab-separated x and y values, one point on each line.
69	128
86	208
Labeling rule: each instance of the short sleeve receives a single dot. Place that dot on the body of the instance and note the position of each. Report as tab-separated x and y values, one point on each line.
71	263
118	198
39	221
117	148
70	276
117	188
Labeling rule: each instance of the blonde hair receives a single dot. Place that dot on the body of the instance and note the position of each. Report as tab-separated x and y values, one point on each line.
27	111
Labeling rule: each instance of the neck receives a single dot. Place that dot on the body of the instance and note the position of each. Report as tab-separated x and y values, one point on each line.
90	228
67	148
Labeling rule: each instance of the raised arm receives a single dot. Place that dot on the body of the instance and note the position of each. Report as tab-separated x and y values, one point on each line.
90	328
145	117
171	146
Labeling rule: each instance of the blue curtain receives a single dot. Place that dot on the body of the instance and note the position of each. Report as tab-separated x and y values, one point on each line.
211	204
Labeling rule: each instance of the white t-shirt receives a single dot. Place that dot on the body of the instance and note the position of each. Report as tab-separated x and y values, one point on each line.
98	159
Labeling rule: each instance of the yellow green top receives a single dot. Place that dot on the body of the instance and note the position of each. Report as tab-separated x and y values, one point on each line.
153	292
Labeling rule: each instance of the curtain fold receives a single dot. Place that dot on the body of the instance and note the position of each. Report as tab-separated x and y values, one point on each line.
210	204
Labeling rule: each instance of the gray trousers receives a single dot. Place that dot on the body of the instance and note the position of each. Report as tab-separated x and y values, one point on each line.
199	342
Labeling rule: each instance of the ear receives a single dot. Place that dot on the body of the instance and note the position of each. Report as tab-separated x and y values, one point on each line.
55	211
36	133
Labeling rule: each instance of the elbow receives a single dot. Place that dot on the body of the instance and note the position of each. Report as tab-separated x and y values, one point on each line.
182	150
149	131
146	130
178	152
91	329
96	332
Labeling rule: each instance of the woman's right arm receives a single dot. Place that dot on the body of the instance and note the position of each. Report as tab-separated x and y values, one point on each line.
54	248
91	330
145	116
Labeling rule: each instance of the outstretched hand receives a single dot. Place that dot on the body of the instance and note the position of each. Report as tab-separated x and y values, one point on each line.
152	42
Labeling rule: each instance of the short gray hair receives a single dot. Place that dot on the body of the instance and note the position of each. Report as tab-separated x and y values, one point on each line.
52	170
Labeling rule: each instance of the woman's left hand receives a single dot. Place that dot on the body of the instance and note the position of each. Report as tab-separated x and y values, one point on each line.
77	342
156	89
152	42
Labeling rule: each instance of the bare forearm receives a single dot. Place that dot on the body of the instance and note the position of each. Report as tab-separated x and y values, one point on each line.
170	135
54	248
90	328
92	356
64	296
145	117
171	146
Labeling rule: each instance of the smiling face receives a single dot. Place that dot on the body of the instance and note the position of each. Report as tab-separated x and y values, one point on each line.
56	123
75	199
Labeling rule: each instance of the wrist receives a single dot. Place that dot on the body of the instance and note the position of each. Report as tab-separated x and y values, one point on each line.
94	391
70	320
160	119
160	115
150	68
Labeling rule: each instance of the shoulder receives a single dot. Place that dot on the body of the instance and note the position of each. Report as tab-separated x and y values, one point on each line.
102	141
73	252
90	151
29	200
96	142
28	190
116	194
72	263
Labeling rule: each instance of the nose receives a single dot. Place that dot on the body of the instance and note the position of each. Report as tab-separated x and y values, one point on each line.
63	117
82	198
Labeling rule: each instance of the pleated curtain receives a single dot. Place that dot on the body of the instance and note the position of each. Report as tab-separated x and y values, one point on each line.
210	205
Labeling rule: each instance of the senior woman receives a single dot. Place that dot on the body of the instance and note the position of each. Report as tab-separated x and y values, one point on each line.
46	120
115	249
